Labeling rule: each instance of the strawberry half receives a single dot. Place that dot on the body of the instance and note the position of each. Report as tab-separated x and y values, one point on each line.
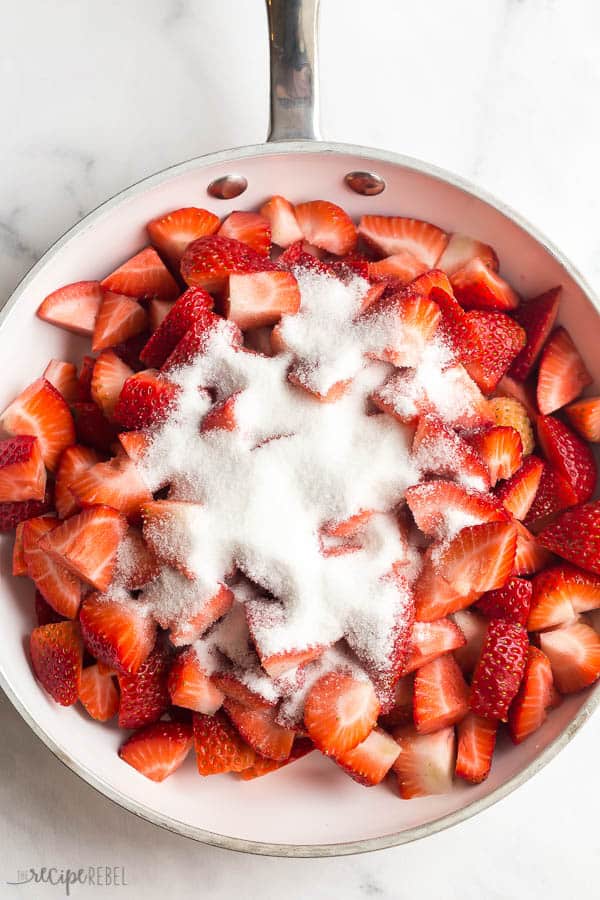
326	226
499	670
519	491
63	376
511	413
478	287
399	268
73	307
388	235
261	298
461	249
428	640
22	471
435	505
574	654
190	686
136	563
441	695
115	484
143	276
92	427
196	338
537	317
584	416
172	232
119	318
529	709
158	310
501	449
219	747
109	375
209	261
157	750
118	634
372	759
569	455
562	375
554	494
260	730
144	693
559	594
339	712
263	766
282	217
510	602
98	693
57	584
530	556
145	401
500	339
476	742
480	557
250	228
442	452
56	655
180	316
474	628
75	460
42	412
19	566
44	613
575	536
425	765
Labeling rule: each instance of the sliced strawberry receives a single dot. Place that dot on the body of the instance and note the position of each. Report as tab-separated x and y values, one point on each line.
145	401
135	444
58	585
180	316
478	287
19	566
372	759
297	376
474	627
537	317
63	376
501	449
441	695
56	655
500	669
115	484
209	261
556	592
158	749
172	232
461	249
575	536
74	460
480	557
250	228
119	318
429	640
399	268
263	766
517	390
297	257
399	709
438	505
22	471
137	565
165	523
530	556
339	712
326	226
402	324
554	494
425	765
109	375
393	234
144	694
98	693
85	378
219	747
195	340
119	634
584	416
511	413
441	451
259	729
44	613
529	709
73	307
571	457
261	298
276	664
476	742
434	596
500	339
92	427
519	491
282	217
190	686
143	276
562	375
87	544
510	602
574	654
230	684
182	633
158	310
42	412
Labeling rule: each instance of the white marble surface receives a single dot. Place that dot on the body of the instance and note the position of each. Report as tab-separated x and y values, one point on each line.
97	95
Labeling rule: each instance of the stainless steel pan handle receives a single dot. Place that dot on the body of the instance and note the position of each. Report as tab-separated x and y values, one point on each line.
294	70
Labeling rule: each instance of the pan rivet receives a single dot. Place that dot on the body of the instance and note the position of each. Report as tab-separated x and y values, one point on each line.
227	187
366	183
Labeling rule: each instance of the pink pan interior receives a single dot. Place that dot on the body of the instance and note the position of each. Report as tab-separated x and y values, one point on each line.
311	806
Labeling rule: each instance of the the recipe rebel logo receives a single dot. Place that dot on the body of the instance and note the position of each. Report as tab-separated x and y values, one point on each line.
55	876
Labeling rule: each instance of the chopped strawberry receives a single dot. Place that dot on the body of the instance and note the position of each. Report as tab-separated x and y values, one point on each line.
230	683
196	338
261	298
510	412
87	544
250	228
42	412
74	460
180	316
297	257
92	427
172	232
559	593
276	664
517	390
157	750
388	235
372	759
58	585
145	401
476	742
575	536
435	597
119	318
56	656
73	307
297	376
530	556
500	339
137	565
326	226
562	374
259	729
135	444
399	268
115	484
537	317
118	634
19	566
85	378
165	523
144	694
63	376
348	527
399	708
143	276
98	694
455	326
403	323
429	640
44	613
158	310
480	557
574	654
263	766
425	764
109	375
499	670
478	287
212	609
584	416
510	602
130	349
441	451
339	712
571	457
284	225
190	686
461	249
209	261
501	450
436	504
441	695
529	709
519	491
554	494
22	471
219	747
474	627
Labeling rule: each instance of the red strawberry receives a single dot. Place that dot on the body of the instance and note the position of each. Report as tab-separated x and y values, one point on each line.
517	390
282	217
393	234
297	257
537	317
326	226
22	472
135	444
399	268
429	640
44	613
219	747
500	340
261	298
479	558
63	376
559	593
425	764
399	705
144	275
58	586
402	324
109	375
85	378
144	694
129	350
73	307
19	566
562	375
339	712
441	695
574	654
119	318
263	766
529	709
519	491
461	249
250	228
571	457
350	266
180	316
190	686
530	556
158	310
212	609
56	655
371	760
230	684
172	232
118	634
500	669
221	416
554	494
145	401
92	427
158	749
478	287
584	416
195	340
87	544
441	451
115	484
42	412
436	504
209	261
455	326
259	729
474	627
74	460
98	693
476	742
510	602
434	596
136	563
164	524
575	535
297	376
501	449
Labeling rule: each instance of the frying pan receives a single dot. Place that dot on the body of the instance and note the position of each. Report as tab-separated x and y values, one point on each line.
310	809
